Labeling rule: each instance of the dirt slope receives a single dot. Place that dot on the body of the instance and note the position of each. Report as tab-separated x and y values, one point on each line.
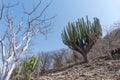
97	68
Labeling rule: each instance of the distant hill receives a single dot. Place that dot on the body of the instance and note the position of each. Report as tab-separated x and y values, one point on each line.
104	45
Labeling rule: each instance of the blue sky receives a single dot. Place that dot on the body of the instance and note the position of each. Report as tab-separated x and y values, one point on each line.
108	11
70	10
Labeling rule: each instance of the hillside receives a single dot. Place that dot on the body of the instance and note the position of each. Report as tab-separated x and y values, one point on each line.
100	67
104	45
97	70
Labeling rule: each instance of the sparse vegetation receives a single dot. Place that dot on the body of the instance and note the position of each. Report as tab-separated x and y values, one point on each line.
73	57
45	62
83	38
59	58
25	70
30	65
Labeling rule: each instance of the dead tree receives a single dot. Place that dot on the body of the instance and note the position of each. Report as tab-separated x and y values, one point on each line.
45	63
16	40
59	58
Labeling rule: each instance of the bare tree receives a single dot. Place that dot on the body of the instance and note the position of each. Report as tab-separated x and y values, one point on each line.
46	61
16	40
59	57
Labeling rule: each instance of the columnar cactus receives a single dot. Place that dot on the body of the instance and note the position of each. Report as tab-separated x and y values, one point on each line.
30	65
81	36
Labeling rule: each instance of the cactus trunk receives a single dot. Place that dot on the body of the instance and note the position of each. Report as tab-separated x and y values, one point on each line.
28	75
85	58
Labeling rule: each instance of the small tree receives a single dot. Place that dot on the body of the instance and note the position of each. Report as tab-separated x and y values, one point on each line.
81	36
59	58
73	57
45	62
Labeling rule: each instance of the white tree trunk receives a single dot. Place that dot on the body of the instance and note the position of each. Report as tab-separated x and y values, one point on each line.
11	48
6	74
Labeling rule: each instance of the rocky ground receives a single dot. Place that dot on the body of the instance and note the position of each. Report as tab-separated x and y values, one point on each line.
95	70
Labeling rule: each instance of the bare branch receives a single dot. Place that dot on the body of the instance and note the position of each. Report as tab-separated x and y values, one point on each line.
20	44
3	50
25	47
1	11
19	28
40	13
6	6
13	5
33	10
45	19
45	61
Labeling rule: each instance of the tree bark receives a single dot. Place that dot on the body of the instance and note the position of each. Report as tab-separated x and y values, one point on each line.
6	75
85	58
84	55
